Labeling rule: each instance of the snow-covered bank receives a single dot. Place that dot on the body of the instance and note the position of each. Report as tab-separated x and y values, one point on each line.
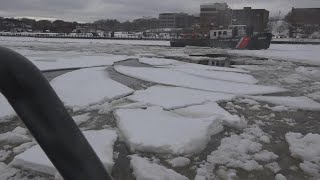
82	88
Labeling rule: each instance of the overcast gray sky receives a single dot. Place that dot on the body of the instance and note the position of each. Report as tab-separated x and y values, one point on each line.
88	11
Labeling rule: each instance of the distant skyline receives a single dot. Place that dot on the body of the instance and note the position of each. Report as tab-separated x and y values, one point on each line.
89	11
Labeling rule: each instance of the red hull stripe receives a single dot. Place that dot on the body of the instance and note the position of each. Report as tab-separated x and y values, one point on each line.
243	43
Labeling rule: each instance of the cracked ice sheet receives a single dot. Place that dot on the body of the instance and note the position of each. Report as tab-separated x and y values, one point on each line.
154	130
35	159
306	148
212	109
176	97
82	88
302	102
6	111
144	169
79	61
170	77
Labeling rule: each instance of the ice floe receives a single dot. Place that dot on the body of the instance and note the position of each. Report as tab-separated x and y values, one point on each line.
155	130
212	109
179	162
176	97
175	78
144	169
307	149
205	67
82	88
6	111
302	102
15	137
79	61
79	119
219	75
35	159
238	151
159	61
7	172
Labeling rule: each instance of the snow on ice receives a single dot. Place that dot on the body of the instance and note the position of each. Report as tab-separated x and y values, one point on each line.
82	88
307	149
302	102
170	77
80	61
155	130
35	159
212	109
176	97
6	111
144	169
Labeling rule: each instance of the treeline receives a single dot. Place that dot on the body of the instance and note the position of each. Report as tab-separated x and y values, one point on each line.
60	26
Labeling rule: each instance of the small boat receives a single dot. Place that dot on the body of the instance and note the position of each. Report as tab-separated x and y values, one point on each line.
235	37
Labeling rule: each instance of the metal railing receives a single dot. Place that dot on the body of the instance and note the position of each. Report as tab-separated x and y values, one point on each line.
43	113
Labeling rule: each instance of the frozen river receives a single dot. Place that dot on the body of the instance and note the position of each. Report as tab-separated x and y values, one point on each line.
150	115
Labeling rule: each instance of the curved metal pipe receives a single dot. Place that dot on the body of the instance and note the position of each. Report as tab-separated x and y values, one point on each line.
37	104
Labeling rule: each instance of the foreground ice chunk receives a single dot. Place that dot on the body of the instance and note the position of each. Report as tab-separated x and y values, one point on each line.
212	109
36	160
82	88
302	102
159	61
158	131
6	111
176	97
175	78
306	148
79	61
143	169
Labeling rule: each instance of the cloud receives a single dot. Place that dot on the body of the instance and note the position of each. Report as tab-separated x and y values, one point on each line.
86	11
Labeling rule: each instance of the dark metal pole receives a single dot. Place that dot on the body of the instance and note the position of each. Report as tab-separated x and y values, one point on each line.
45	116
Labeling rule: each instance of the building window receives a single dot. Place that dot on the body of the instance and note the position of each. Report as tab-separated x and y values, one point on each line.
219	33
224	33
214	33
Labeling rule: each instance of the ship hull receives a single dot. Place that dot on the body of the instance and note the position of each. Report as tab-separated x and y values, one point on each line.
259	41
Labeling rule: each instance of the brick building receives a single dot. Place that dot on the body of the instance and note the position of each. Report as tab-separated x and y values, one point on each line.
304	16
256	18
175	20
214	15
